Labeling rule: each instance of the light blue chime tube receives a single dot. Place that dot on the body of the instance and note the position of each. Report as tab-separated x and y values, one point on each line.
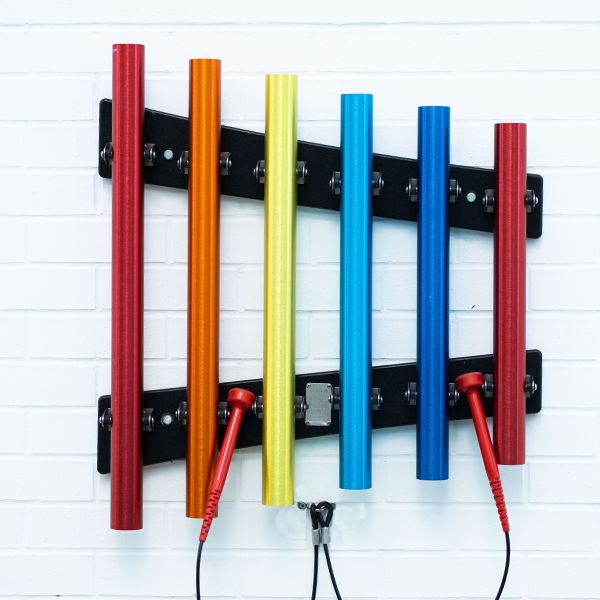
432	292
355	290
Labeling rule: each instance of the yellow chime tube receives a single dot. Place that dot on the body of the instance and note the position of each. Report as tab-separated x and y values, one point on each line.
279	391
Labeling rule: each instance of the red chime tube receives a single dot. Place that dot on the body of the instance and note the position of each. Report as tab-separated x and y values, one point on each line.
509	292
127	286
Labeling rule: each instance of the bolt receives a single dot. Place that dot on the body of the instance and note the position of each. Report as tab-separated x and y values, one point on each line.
531	200
259	171
377	183
335	183
225	163
301	172
149	155
105	419
412	189
181	413
183	162
488	200
166	419
107	153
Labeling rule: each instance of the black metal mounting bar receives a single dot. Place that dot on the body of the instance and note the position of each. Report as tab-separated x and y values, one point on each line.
167	441
169	134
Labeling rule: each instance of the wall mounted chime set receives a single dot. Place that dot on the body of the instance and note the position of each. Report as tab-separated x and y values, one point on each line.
139	146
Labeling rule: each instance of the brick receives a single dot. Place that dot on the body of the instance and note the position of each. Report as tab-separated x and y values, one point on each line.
116	576
553	288
64	99
564	577
48	193
41	479
413	577
78	432
12	337
73	145
534	528
467	483
58	575
11	524
47	289
56	385
12	431
559	481
244	526
87	527
12	242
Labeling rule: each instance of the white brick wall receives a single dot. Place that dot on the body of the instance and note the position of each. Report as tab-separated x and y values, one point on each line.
536	60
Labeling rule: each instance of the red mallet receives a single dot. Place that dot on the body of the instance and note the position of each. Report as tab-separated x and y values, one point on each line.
469	384
240	401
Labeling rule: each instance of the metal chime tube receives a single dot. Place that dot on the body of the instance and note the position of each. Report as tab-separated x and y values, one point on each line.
279	310
127	286
203	279
509	292
355	290
432	285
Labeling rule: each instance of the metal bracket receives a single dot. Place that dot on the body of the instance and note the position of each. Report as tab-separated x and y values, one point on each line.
319	404
169	136
167	442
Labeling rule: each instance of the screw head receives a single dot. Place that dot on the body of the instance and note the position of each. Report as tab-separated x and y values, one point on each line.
166	419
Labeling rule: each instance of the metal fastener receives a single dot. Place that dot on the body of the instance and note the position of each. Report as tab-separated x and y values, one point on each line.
259	171
376	399
166	419
412	189
301	172
223	413
105	419
530	386
181	413
183	162
149	154
107	153
148	419
488	385
453	394
488	201
531	201
454	191
335	183
411	393
377	183
225	163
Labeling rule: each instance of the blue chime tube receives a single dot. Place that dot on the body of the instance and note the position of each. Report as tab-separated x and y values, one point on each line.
432	293
355	290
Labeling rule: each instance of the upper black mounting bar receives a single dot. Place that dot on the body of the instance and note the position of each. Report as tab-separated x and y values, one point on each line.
166	439
169	134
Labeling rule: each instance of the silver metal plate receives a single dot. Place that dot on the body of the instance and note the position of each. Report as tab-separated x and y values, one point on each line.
319	404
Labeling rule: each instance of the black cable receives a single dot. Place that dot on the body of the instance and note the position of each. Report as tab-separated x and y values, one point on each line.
506	566
324	513
315	527
331	575
315	573
198	557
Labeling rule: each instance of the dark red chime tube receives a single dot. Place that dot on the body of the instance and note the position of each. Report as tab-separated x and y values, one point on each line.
127	287
509	292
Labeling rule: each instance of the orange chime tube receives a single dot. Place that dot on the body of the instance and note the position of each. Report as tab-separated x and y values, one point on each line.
203	280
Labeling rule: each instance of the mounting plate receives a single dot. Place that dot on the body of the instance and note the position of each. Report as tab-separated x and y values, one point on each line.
168	442
170	133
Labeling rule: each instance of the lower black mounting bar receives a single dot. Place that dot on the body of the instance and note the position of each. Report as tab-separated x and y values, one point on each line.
167	441
169	134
